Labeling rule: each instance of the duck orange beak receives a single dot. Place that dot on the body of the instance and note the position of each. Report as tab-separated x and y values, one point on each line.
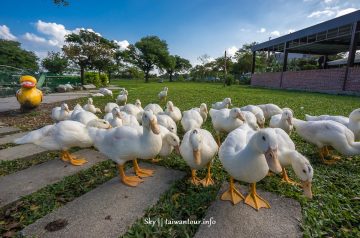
197	157
240	116
154	127
289	120
177	149
27	84
271	156
306	186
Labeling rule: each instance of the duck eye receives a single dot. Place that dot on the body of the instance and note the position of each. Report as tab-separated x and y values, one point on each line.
264	139
304	171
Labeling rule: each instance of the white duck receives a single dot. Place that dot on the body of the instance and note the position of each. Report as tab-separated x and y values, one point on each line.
122	97
167	122
328	133
352	122
84	117
116	121
226	120
170	141
223	104
60	113
270	110
126	143
154	107
173	112
191	119
259	114
249	160
134	109
251	120
78	108
283	121
198	149
163	94
202	110
109	106
90	106
63	136
127	119
106	92
288	156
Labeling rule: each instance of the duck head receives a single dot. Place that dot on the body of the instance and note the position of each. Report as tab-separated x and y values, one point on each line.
203	108
236	113
227	101
174	141
90	101
196	142
267	143
138	103
304	171
287	115
355	115
149	121
170	106
28	81
99	123
65	107
260	120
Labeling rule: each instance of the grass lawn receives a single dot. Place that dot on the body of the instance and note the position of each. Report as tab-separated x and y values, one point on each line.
333	212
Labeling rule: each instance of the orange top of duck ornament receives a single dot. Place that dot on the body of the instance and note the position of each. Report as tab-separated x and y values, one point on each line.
28	95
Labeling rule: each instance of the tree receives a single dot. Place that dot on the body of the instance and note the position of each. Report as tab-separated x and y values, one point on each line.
81	49
104	59
175	64
55	63
147	53
11	54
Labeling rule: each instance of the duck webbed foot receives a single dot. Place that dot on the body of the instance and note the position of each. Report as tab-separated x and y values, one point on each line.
324	152
194	179
232	195
142	172
254	200
155	160
131	181
286	179
207	181
66	156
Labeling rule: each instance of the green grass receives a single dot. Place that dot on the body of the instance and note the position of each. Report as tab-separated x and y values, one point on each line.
333	212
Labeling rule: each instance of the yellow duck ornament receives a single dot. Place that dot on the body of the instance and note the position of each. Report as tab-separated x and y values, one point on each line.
28	95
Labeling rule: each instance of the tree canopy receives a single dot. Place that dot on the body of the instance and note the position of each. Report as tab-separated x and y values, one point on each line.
149	52
175	64
55	63
12	54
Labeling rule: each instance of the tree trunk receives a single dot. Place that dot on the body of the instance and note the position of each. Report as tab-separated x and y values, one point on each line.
109	75
82	78
171	77
147	76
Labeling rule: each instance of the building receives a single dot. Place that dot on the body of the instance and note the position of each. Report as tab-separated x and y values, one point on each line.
335	36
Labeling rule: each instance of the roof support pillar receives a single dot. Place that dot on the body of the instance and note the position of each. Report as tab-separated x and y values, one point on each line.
284	62
352	51
253	62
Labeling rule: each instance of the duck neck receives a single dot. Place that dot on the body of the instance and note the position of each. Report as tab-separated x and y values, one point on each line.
96	134
251	147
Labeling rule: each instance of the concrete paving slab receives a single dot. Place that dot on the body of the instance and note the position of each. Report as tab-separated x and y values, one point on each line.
109	210
2	124
20	151
282	220
27	181
8	130
10	138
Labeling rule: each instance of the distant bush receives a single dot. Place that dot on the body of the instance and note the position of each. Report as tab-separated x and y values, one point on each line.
93	78
181	78
229	79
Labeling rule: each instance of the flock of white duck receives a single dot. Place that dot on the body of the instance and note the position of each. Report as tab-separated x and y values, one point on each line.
129	132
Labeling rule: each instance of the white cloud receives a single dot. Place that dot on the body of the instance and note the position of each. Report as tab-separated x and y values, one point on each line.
123	44
328	1
34	38
231	51
6	34
262	30
346	11
275	33
326	12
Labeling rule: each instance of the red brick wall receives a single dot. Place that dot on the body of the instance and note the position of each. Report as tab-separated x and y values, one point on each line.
353	81
312	80
271	80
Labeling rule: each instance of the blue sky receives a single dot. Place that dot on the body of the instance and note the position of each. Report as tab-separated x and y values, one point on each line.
190	27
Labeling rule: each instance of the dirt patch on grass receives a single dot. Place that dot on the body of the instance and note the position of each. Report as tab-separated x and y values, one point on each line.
36	118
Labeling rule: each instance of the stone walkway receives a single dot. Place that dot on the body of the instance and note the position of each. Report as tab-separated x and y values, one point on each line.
241	220
27	181
10	103
109	210
10	138
20	151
